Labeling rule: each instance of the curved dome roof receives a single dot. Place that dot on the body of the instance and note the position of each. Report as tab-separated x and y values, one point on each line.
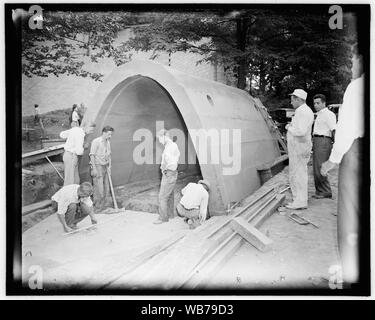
220	126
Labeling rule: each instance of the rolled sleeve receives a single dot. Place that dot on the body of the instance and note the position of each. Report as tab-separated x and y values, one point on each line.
64	134
331	122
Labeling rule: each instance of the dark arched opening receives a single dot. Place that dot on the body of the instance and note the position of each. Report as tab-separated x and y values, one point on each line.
137	108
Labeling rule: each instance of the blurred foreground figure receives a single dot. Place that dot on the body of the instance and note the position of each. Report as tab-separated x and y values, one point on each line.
347	151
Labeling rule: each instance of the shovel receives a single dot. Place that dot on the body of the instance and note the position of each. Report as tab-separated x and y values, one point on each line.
116	209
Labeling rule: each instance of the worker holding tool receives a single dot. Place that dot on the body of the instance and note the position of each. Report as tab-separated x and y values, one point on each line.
299	148
323	134
73	204
100	161
73	148
193	204
168	167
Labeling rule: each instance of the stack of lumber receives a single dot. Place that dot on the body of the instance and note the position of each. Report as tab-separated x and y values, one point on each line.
189	262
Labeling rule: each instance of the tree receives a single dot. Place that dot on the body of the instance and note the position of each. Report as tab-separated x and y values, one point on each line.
274	50
270	50
67	37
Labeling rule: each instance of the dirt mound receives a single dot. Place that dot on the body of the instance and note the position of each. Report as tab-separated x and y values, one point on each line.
143	195
42	183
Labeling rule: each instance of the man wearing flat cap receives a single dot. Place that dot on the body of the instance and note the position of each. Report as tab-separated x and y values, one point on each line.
194	202
74	204
299	148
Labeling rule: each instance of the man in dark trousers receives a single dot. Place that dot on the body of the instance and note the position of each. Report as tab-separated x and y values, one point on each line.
323	135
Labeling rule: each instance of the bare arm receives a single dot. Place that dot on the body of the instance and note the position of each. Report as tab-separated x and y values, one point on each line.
92	160
203	209
62	220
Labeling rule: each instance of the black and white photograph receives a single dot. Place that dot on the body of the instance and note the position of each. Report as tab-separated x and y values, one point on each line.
187	149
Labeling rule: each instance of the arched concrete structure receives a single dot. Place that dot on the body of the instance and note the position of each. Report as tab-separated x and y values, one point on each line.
140	93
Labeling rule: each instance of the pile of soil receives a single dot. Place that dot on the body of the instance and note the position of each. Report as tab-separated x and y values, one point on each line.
143	195
42	183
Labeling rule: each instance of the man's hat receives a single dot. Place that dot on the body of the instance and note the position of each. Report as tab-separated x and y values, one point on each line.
205	182
85	190
299	93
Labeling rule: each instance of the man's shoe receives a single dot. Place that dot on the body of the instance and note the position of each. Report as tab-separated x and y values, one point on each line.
294	207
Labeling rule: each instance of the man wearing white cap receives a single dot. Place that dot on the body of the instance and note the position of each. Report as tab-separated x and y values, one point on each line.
299	148
194	202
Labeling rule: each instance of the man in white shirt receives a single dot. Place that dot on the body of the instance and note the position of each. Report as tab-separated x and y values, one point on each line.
194	202
168	167
73	205
348	152
73	148
299	148
100	160
323	134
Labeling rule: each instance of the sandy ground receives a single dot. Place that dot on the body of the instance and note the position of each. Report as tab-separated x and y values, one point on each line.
300	255
85	257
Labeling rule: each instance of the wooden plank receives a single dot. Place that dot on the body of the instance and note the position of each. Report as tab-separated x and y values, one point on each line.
251	234
36	206
247	206
47	143
40	154
120	269
259	219
42	151
200	275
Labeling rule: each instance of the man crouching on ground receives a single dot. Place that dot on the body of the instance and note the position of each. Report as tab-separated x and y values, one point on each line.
74	204
194	202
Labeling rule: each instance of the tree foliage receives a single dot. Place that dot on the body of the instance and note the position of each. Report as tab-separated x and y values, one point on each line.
269	51
68	37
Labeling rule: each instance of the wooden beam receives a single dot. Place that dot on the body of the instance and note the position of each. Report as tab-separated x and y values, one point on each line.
36	206
263	216
40	154
119	270
226	249
201	275
247	206
251	234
